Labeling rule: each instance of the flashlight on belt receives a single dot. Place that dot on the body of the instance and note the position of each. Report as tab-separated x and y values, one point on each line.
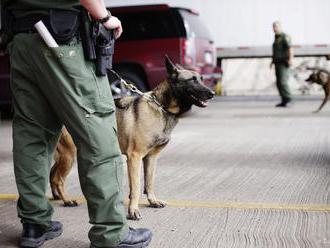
45	34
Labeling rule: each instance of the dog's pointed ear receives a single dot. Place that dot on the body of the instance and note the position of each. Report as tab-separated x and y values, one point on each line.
170	67
179	67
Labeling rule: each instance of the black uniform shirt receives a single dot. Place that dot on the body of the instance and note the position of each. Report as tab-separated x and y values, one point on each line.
281	47
21	8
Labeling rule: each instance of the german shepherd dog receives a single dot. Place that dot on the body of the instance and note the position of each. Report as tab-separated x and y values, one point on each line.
144	129
321	77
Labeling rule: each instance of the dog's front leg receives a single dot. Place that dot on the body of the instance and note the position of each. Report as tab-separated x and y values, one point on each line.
134	174
149	164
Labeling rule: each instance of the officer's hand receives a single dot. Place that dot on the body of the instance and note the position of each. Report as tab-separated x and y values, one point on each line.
290	62
114	23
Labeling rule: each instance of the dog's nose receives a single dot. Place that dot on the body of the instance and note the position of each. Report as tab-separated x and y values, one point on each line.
211	93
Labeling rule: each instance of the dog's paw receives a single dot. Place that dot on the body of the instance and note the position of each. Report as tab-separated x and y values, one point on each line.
56	197
134	214
157	204
71	203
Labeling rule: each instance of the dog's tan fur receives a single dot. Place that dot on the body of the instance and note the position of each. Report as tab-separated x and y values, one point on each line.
321	77
143	131
64	157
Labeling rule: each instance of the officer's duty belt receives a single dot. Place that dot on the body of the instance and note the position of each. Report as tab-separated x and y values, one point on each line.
26	24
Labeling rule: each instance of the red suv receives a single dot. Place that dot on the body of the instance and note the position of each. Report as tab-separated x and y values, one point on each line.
150	32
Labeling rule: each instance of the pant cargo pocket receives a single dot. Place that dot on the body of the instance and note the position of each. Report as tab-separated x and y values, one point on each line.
100	119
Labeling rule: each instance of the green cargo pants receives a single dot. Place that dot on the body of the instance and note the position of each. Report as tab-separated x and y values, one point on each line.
282	78
52	87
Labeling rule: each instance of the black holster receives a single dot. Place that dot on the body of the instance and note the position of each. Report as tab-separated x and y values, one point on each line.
86	34
98	43
105	45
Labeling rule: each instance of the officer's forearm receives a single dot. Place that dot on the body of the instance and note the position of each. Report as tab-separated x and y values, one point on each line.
96	8
291	53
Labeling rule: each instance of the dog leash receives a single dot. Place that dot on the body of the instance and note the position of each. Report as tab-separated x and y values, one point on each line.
134	89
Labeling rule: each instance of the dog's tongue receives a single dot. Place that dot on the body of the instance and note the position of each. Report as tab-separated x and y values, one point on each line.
204	103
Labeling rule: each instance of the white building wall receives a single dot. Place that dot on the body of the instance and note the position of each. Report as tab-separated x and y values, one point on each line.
248	22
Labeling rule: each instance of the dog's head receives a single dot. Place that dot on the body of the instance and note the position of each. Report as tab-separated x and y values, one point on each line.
318	76
187	85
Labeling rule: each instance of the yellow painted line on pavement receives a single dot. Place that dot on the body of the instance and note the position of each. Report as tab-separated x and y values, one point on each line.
215	205
241	205
8	197
79	199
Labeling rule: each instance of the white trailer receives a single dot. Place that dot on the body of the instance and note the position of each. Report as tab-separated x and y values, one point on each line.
242	29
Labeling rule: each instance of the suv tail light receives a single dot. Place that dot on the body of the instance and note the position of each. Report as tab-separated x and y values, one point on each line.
208	57
188	52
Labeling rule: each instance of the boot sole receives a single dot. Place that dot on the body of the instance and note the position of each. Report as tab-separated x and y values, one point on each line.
139	245
30	242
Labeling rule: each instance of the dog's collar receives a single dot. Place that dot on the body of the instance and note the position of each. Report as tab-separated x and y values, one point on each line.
154	99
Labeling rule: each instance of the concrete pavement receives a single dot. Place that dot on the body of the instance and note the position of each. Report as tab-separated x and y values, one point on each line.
237	174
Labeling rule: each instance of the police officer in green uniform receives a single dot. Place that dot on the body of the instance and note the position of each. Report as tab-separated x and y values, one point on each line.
53	87
282	59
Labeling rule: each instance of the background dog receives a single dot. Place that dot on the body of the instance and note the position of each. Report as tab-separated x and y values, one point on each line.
144	129
321	77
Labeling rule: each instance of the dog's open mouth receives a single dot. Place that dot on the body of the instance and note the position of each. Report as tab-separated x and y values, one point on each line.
199	102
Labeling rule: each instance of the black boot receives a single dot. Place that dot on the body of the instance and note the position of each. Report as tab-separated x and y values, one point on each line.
284	104
35	235
136	238
281	105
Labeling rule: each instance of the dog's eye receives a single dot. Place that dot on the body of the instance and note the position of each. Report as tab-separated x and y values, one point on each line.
194	78
201	78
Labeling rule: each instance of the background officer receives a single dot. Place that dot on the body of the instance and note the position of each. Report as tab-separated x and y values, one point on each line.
56	86
282	59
